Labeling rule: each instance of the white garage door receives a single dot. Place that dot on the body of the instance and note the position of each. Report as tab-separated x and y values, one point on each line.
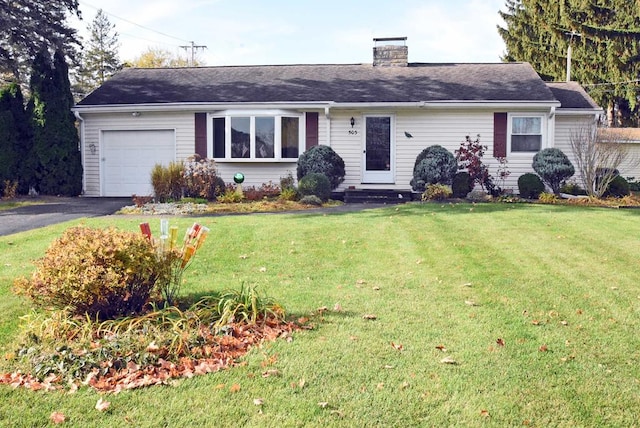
129	156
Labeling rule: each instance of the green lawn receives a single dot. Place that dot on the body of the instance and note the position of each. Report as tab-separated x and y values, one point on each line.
538	305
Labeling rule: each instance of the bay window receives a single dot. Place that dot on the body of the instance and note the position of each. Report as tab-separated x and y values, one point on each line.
270	136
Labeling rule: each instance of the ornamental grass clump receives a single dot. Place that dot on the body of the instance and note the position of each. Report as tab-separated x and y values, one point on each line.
103	273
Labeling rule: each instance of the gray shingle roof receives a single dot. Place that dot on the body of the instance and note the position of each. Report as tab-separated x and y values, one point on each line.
349	83
572	96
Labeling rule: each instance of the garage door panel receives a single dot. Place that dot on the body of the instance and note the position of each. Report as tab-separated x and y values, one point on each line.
129	157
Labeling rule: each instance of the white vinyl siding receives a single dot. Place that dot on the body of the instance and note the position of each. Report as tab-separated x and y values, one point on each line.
181	122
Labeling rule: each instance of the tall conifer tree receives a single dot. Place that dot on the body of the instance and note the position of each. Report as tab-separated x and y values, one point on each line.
100	60
605	41
56	156
15	137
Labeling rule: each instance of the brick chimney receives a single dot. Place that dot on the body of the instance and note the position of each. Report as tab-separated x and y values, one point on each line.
390	52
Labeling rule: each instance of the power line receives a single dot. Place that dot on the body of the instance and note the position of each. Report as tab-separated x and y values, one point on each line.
134	23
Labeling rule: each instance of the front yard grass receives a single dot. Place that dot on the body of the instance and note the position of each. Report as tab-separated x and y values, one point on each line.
537	308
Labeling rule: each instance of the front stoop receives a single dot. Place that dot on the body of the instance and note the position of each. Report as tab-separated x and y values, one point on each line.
377	196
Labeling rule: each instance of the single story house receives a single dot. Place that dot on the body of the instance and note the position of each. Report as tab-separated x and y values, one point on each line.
378	117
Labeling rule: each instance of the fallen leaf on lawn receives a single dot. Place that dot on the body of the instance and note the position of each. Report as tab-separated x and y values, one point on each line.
57	417
303	320
263	269
322	309
337	307
543	348
535	322
564	323
579	312
397	346
354	338
470	303
258	401
467	284
404	385
361	281
441	348
272	372
152	347
338	413
448	360
388	367
302	383
614	288
219	386
234	388
376	288
243	256
380	386
369	317
102	405
418	261
500	341
323	404
484	413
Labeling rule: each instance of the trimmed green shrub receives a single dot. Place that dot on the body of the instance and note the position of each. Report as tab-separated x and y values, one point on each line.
104	273
618	188
315	184
572	189
436	192
324	160
434	165
553	167
168	181
530	186
461	184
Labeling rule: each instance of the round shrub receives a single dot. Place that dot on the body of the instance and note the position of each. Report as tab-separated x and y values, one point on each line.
553	167
434	165
324	160
99	272
618	188
530	186
461	184
315	184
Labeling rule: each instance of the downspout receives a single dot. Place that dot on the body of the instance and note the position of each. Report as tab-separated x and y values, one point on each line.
551	127
82	151
327	117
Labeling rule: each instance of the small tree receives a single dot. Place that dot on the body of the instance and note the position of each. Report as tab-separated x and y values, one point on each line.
469	157
598	156
324	160
553	167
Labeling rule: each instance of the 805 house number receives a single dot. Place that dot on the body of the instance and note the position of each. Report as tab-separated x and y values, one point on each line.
353	132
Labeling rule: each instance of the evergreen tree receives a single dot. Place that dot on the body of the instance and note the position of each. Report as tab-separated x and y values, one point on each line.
56	157
28	26
100	61
604	37
15	137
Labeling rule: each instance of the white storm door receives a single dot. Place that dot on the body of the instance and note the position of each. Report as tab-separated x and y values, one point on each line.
379	150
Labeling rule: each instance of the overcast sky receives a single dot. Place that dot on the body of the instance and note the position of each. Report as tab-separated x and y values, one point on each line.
242	32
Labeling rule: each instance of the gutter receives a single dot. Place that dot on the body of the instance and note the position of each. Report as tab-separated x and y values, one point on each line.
81	148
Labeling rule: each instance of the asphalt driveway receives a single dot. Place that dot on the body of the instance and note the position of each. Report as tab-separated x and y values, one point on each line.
52	210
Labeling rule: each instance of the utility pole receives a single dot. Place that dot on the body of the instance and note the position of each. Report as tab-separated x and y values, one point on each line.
572	34
193	47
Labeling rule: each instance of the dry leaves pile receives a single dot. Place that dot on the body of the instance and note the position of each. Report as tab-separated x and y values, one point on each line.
217	353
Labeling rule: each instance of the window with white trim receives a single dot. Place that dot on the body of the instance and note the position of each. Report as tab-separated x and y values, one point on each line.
256	137
526	133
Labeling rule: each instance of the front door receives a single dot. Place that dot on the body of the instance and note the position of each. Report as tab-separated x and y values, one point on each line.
378	153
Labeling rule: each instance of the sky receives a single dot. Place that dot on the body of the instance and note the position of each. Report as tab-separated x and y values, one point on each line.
265	32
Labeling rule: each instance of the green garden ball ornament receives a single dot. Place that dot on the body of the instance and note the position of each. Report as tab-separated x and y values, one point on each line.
238	178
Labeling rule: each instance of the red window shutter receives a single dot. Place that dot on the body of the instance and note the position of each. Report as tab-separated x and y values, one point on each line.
312	130
499	135
201	134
